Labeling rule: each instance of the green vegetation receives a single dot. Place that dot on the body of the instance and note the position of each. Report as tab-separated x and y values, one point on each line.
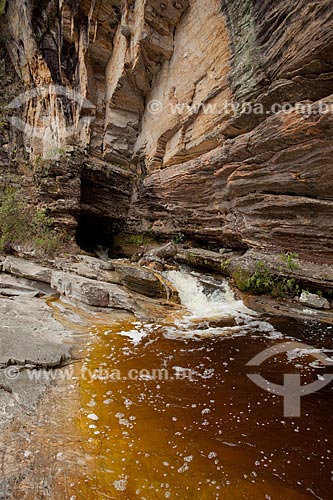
263	282
21	224
225	266
289	259
2	7
179	238
138	239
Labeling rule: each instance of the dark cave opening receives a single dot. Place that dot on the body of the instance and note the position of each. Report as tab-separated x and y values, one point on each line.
95	233
104	201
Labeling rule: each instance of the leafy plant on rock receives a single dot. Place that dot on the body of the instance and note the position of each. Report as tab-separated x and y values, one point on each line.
289	259
22	224
263	282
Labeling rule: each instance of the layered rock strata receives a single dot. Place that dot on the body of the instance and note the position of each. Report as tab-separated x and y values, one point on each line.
176	120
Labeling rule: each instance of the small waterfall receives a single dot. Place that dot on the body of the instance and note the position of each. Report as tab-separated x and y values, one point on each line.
212	309
218	300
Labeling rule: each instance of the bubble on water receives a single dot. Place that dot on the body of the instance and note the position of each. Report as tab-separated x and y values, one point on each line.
128	403
212	454
125	422
183	468
120	484
92	416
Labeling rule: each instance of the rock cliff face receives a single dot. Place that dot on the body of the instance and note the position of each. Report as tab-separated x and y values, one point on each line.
178	124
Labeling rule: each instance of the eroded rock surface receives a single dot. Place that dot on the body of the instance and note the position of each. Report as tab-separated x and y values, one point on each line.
30	341
26	269
167	147
92	292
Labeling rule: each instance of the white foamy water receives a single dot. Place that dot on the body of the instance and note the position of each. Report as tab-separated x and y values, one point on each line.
218	303
212	310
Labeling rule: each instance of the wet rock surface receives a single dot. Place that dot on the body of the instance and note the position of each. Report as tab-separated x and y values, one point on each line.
287	309
30	340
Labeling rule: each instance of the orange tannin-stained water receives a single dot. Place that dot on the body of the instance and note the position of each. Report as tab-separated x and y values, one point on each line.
169	412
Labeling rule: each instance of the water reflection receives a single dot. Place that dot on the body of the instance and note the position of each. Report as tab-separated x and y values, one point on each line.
210	436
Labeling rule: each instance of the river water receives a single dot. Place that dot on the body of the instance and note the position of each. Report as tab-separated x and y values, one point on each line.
168	409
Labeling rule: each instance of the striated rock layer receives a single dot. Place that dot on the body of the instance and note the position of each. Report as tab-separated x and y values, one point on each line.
179	134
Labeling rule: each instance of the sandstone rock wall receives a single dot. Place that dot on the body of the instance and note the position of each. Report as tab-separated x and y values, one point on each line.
195	161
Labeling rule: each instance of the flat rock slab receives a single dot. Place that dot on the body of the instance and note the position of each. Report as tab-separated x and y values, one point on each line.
92	292
89	267
31	340
29	334
26	386
26	269
281	308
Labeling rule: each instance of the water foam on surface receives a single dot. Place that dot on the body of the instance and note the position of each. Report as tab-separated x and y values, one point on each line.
221	302
208	299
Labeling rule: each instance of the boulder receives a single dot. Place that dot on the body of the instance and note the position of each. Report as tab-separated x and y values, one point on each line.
168	251
152	262
141	281
126	31
314	301
26	269
206	259
92	292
